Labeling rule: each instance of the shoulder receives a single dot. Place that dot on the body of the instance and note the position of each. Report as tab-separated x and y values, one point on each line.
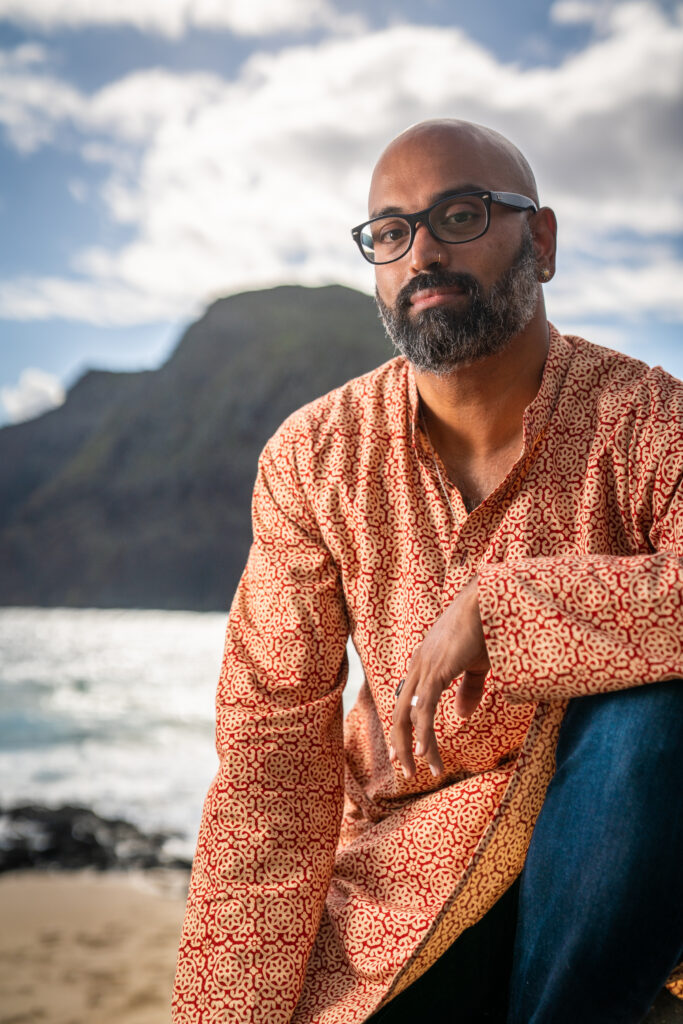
323	447
621	386
374	404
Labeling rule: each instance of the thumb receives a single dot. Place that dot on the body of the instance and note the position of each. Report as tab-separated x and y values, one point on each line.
468	693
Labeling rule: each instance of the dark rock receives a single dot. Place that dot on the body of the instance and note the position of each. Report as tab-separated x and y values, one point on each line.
75	837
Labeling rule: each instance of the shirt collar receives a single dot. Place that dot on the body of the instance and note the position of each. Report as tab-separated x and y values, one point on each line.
536	415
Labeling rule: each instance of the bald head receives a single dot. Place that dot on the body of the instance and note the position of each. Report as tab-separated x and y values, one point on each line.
477	154
447	299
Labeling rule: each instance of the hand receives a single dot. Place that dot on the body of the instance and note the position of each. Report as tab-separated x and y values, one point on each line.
453	645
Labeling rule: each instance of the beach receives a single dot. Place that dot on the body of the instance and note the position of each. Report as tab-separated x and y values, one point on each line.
106	754
85	947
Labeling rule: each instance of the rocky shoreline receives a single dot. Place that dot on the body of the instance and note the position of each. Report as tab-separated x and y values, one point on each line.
72	837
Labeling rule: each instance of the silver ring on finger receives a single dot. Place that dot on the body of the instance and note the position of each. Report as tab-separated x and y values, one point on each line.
413	700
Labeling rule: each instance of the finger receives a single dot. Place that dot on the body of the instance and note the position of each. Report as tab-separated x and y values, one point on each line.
429	749
422	715
469	693
401	736
403	753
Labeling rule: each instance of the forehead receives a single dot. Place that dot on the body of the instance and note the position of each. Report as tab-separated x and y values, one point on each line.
415	169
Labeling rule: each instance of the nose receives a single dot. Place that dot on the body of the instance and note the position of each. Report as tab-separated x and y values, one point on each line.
426	252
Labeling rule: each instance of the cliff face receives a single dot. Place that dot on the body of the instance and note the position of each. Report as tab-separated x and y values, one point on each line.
136	492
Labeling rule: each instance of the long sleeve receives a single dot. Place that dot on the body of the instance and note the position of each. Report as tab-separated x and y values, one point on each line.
565	627
575	624
272	815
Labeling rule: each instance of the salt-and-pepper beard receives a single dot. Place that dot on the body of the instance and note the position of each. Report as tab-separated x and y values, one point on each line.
438	339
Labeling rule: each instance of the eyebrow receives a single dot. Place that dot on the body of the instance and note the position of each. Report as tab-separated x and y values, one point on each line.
466	186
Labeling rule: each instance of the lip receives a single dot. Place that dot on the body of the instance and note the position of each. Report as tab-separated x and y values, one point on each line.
428	297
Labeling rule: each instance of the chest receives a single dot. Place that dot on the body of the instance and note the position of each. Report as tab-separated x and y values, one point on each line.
476	478
405	544
407	532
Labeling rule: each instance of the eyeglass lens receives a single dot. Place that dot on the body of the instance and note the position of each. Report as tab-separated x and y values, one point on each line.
458	219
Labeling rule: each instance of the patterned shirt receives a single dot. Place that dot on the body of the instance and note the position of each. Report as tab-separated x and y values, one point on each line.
325	882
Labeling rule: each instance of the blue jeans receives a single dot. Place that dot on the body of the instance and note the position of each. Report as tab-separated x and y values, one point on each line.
601	902
599	921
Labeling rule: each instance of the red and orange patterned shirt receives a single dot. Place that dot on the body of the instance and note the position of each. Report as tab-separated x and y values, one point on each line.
324	882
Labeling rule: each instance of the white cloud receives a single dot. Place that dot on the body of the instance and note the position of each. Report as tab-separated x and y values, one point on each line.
633	292
32	102
35	393
575	12
110	302
245	183
598	333
174	17
23	55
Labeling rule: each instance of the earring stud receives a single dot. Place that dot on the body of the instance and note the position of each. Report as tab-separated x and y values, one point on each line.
544	274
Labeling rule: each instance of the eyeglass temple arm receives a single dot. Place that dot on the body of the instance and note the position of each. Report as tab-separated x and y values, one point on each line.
513	199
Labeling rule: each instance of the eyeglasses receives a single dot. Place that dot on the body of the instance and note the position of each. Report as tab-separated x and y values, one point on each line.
458	218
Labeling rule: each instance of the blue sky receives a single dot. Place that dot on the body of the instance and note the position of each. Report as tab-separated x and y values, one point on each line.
156	154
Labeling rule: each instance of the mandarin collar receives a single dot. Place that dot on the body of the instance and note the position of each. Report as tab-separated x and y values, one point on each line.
537	413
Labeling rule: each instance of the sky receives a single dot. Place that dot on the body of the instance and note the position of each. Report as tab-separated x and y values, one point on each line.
158	154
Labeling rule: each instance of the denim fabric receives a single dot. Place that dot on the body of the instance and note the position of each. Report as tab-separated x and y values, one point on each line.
601	903
599	925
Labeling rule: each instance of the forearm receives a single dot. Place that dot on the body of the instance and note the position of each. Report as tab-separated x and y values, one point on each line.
264	860
272	816
564	627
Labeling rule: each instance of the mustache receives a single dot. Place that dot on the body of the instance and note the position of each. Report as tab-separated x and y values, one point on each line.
436	279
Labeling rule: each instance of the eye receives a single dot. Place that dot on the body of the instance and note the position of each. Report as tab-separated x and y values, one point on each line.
458	213
459	218
390	232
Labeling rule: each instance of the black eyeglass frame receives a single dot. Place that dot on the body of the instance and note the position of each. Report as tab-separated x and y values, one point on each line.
513	200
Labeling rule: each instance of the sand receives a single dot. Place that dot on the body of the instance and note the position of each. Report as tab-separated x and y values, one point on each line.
88	948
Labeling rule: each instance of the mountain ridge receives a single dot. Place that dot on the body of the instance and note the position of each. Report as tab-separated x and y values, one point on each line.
136	492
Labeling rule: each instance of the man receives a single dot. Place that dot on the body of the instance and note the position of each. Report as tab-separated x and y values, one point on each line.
496	519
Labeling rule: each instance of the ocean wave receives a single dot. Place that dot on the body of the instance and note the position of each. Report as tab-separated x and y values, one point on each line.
113	711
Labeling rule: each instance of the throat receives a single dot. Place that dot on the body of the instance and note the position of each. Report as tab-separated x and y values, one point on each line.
475	466
471	502
477	479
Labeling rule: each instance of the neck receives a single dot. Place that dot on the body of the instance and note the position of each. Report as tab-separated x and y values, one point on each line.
476	411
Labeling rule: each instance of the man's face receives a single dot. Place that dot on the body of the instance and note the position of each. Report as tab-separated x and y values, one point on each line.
444	305
438	338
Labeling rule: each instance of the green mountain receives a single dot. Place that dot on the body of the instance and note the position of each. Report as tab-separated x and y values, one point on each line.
136	492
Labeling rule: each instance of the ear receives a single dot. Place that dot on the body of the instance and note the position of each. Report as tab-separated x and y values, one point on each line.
543	226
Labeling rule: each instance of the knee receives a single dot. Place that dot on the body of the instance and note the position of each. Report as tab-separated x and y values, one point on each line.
632	735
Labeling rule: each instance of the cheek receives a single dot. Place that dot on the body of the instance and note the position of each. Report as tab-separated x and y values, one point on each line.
388	282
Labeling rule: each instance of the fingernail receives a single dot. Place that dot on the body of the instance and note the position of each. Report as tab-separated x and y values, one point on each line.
435	771
406	773
392	753
418	749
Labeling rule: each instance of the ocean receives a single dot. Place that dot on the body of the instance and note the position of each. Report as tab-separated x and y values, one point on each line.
114	710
